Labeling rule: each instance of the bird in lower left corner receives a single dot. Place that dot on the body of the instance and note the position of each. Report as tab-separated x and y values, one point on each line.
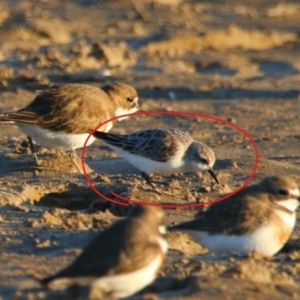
123	259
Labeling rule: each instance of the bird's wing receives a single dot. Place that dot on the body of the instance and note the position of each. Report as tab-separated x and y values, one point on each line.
155	144
65	107
231	216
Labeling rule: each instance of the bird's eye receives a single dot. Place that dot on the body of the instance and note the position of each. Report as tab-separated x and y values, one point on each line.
283	192
204	161
129	99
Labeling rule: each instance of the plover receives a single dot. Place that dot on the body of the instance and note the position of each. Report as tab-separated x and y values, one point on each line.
61	116
259	218
122	259
161	151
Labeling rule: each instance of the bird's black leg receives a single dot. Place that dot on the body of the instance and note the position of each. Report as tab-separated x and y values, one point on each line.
148	180
32	149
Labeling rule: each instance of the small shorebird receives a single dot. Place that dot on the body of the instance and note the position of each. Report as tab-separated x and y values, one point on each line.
161	151
61	116
259	218
122	259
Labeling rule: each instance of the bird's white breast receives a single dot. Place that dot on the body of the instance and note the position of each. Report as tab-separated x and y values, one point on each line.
263	240
151	166
124	285
163	244
288	219
121	111
57	140
290	204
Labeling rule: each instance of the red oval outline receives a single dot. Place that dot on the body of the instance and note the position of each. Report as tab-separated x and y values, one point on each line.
177	206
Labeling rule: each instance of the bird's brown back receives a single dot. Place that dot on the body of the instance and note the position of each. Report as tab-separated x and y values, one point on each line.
71	108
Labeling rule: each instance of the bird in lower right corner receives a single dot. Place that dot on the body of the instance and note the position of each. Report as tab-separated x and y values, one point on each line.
259	218
122	259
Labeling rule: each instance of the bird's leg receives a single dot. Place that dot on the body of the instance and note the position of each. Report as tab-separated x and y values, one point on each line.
72	157
148	180
165	183
32	149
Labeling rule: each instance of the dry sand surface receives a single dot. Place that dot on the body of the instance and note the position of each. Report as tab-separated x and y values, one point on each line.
237	60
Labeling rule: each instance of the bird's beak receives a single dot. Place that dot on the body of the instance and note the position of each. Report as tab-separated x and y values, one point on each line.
213	175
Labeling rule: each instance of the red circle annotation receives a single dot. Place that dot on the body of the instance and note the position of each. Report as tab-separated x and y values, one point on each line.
172	206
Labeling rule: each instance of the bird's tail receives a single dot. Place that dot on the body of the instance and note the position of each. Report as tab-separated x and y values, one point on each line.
99	134
112	139
46	281
4	118
18	116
